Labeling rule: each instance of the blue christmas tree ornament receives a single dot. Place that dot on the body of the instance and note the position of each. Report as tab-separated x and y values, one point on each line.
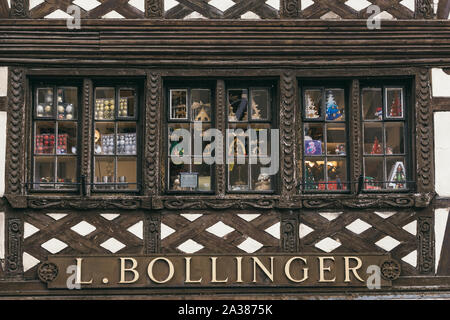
333	111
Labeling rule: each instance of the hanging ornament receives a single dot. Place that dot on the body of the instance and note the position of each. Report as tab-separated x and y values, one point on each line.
333	111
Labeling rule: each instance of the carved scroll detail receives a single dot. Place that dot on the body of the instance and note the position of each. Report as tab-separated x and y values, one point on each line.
152	233
290	9
19	9
425	236
424	9
287	132
14	254
289	233
154	9
16	124
152	169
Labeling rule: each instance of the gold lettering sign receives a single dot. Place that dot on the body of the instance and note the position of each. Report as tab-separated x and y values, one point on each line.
179	271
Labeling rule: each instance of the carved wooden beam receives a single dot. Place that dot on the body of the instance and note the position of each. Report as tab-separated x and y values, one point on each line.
88	100
154	9
443	9
290	9
425	238
424	9
14	247
440	104
289	232
355	135
152	234
19	9
221	114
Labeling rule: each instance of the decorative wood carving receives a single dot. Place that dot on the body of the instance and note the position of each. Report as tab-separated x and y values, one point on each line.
85	204
219	204
14	267
19	9
88	99
152	233
16	132
390	270
154	9
289	232
355	134
425	235
221	114
424	9
287	134
424	138
47	272
152	133
290	9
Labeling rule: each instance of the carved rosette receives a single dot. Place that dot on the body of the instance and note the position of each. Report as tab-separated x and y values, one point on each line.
47	272
152	233
16	125
153	100
425	237
290	9
19	9
154	9
424	9
390	270
287	133
289	233
14	253
424	133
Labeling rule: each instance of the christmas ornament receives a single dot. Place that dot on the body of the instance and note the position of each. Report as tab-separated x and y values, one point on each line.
333	111
397	176
396	107
312	111
376	148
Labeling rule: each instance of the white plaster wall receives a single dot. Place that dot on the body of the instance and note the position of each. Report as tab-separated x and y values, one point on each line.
442	152
440	83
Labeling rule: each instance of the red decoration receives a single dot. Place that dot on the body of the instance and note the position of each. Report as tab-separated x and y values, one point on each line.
376	149
396	107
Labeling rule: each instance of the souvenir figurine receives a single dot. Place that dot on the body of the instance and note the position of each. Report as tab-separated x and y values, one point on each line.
376	148
263	183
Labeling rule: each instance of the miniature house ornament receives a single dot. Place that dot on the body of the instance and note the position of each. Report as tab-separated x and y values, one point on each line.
312	111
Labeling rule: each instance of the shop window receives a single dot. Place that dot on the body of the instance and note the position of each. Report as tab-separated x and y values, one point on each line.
249	138
190	112
325	141
116	138
384	138
55	139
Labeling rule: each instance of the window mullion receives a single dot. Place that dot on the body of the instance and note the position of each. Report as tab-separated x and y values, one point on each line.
355	146
87	129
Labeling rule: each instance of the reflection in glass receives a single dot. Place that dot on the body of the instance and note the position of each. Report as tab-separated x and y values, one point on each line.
178	104
238	177
395	138
44	106
44	137
67	105
394	102
374	173
201	105
238	105
337	174
127	103
314	139
44	172
336	139
313	103
104	103
104	138
260	104
104	174
372	103
126	173
373	138
396	173
67	172
335	105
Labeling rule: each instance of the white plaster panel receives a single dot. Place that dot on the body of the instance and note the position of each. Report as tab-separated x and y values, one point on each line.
3	81
442	153
440	83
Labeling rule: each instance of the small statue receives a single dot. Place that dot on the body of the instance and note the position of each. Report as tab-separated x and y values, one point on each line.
263	183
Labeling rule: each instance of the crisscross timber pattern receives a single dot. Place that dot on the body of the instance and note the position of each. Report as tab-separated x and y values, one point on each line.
77	244
365	241
288	9
243	230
